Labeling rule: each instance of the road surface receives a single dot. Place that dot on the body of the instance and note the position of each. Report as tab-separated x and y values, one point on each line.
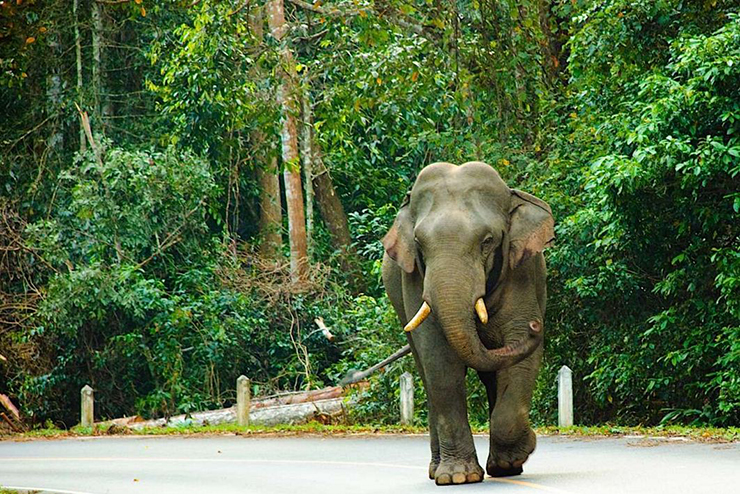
356	465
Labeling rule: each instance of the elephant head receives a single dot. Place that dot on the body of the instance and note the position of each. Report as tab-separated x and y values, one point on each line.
464	232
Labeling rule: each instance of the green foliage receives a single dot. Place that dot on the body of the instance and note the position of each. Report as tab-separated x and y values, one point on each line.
206	83
375	335
136	274
649	259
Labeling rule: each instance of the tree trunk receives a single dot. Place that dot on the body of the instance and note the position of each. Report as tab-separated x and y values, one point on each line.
78	52
335	219
307	155
98	85
550	48
288	135
55	142
267	173
270	211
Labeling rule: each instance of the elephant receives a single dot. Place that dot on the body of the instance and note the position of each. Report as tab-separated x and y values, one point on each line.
465	273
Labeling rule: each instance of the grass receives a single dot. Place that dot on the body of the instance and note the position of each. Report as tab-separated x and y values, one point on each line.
730	434
714	434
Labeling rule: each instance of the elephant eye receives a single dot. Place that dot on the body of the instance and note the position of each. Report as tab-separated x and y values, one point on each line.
487	244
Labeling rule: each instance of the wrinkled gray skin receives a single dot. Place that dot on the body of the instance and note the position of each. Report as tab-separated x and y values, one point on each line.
460	235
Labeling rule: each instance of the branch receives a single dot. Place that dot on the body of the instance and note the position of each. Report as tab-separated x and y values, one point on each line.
171	239
327	12
397	18
88	132
236	10
29	132
356	376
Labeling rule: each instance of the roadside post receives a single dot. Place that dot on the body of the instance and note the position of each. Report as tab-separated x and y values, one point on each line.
565	397
407	399
87	407
243	399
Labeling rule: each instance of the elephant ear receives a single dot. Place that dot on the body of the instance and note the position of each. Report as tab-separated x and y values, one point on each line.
531	227
399	241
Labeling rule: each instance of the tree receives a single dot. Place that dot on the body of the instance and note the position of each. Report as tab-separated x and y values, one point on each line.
267	172
287	100
332	210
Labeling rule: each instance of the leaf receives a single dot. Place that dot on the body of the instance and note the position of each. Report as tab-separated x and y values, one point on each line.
30	40
143	12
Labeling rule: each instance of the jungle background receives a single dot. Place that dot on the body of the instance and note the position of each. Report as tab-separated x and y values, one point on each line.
185	185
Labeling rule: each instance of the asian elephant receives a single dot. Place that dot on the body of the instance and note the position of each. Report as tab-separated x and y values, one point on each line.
464	271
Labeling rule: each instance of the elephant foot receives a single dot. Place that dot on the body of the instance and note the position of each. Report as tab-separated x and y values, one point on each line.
433	467
506	460
456	471
497	471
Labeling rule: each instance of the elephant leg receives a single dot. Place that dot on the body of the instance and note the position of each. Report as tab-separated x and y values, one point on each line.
433	438
512	437
489	381
393	284
454	460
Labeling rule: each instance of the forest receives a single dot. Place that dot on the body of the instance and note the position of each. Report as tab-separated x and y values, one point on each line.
187	185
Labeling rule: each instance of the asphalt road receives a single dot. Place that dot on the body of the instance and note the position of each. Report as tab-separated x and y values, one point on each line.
356	465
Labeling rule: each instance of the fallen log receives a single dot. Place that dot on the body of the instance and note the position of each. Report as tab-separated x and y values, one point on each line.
299	397
295	413
286	408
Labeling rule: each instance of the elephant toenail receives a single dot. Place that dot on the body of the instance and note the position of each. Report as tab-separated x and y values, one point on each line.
535	326
443	479
503	464
518	463
474	477
458	478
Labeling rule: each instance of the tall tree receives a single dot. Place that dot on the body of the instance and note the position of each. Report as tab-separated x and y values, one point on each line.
267	172
101	99
330	206
78	58
307	155
334	216
287	98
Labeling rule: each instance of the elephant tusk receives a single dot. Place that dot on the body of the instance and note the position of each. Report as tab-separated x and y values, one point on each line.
424	311
480	309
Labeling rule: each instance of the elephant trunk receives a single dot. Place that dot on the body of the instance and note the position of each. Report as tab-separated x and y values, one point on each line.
455	303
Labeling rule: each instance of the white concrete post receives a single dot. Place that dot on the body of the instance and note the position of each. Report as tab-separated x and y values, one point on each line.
87	407
407	399
243	400
565	397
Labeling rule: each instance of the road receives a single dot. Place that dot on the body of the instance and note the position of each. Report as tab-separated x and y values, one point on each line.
356	465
